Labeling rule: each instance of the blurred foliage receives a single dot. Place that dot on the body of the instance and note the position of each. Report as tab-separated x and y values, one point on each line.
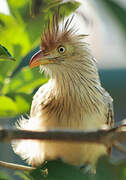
57	170
20	33
4	176
23	175
117	10
43	6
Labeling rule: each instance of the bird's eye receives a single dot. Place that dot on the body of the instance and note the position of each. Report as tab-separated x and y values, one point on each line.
61	49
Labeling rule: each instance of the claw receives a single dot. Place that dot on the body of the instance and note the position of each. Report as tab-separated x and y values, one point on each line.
87	169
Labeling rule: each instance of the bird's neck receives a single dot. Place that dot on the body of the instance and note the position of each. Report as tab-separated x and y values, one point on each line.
79	85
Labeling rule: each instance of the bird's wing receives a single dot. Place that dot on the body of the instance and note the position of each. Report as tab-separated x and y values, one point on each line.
108	103
110	114
110	111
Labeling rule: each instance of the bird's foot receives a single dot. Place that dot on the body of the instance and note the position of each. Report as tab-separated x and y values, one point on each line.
87	169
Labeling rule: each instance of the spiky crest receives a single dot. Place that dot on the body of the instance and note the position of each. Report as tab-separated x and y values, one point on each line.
54	34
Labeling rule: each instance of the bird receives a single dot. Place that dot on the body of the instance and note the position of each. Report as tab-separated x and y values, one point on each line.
73	98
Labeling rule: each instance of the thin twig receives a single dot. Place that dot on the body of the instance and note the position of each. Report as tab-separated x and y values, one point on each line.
119	147
15	166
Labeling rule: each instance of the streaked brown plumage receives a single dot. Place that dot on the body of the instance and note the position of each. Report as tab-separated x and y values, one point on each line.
73	98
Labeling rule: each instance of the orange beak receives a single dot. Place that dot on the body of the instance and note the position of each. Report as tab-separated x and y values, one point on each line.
40	58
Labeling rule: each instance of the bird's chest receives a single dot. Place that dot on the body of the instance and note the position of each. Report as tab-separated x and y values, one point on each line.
70	109
63	114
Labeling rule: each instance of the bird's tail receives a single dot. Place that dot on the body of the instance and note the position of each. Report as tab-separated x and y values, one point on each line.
29	150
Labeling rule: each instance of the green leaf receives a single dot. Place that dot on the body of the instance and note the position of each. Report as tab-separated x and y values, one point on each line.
39	6
57	170
20	10
19	89
7	107
4	54
14	104
19	45
25	81
48	6
22	102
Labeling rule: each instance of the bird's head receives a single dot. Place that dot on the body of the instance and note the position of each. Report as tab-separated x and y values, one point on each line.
60	47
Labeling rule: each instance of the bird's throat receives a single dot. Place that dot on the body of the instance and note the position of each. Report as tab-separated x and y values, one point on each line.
77	88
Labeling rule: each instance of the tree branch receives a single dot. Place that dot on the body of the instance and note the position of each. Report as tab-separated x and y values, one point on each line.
108	137
103	136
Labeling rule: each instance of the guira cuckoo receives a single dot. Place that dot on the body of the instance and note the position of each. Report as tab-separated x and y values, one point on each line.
73	98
